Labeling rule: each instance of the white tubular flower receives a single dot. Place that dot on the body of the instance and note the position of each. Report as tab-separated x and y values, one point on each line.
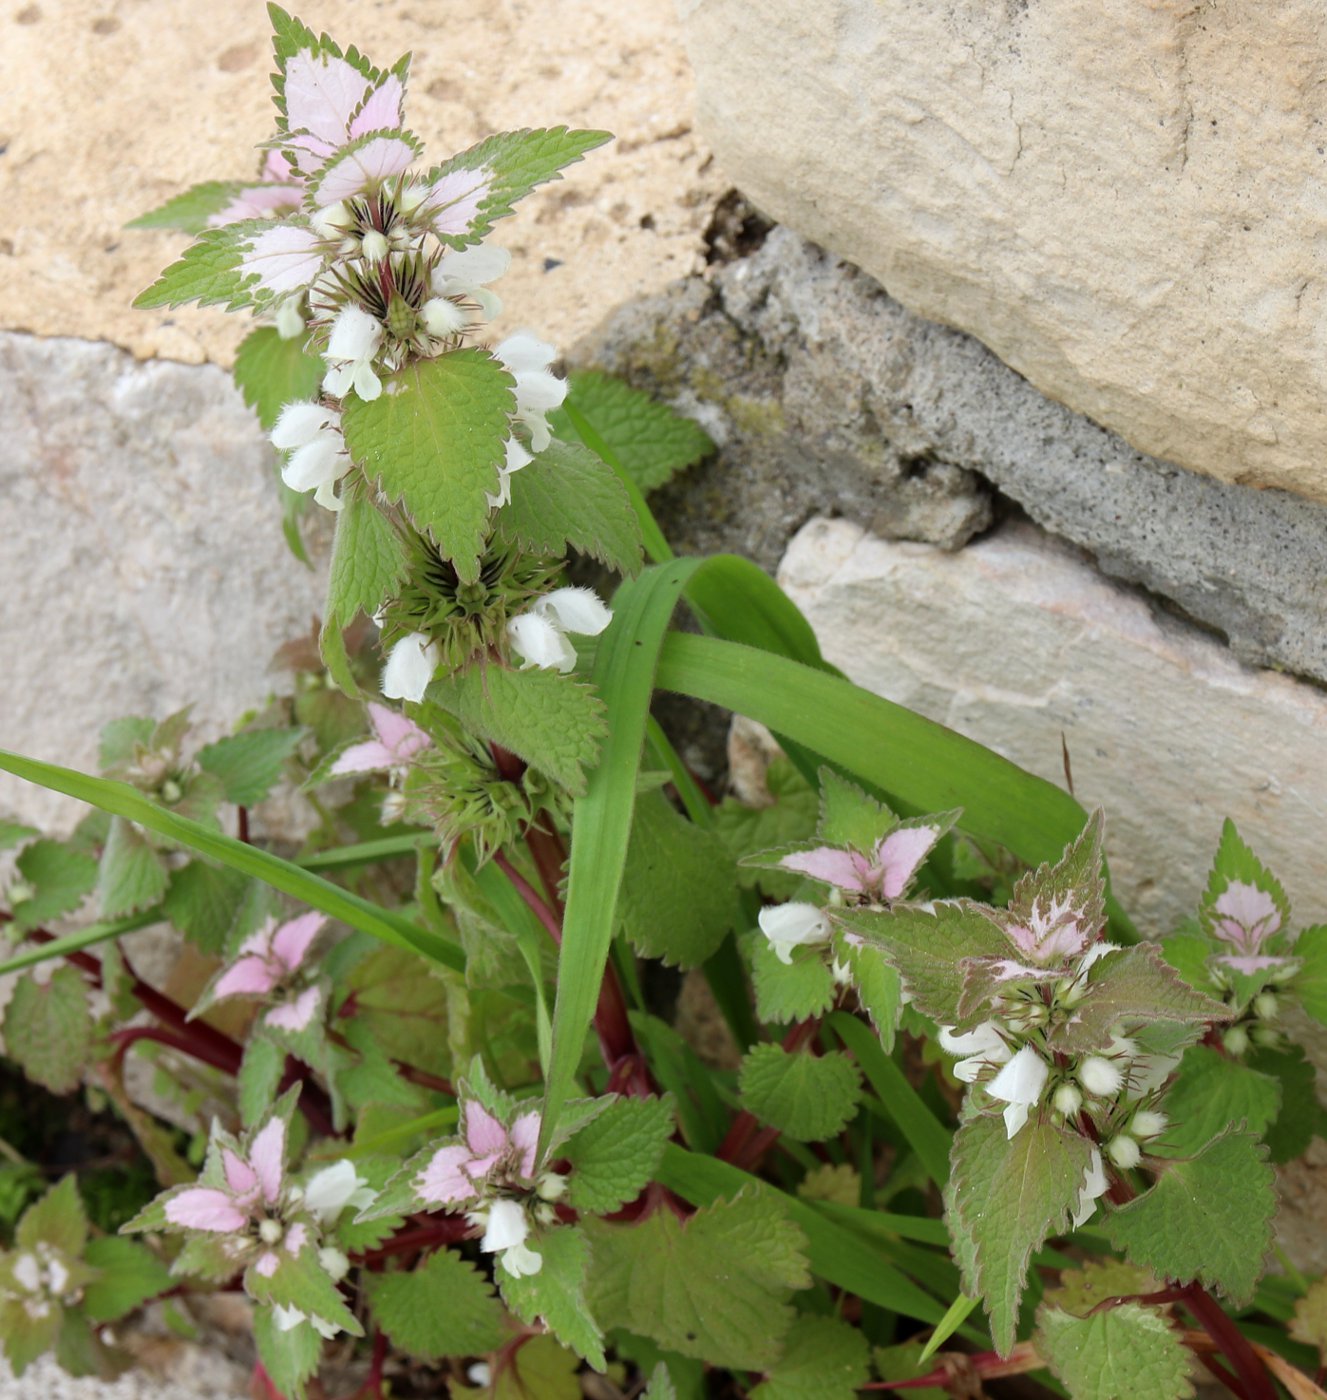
1099	1076
410	668
789	926
318	457
1020	1085
537	391
539	636
334	1188
351	347
1094	1185
466	275
517	457
505	1235
980	1047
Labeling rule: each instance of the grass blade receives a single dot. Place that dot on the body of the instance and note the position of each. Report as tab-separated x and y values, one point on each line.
80	939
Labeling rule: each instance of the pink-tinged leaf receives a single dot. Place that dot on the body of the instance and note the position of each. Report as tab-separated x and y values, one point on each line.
240	1176
257	202
203	1208
284	258
454	201
1252	966
525	1138
401	736
383	108
276	169
483	1133
310	152
296	1238
293	939
322	93
265	1156
267	1263
1053	932
1247	916
297	1015
259	942
845	869
899	856
444	1180
368	757
361	167
249	977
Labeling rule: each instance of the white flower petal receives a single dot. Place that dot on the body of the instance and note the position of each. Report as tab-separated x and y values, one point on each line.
540	642
525	353
507	1227
1015	1116
315	464
410	668
473	267
793	925
331	1190
1020	1084
298	423
1094	1185
354	334
521	1261
578	610
981	1040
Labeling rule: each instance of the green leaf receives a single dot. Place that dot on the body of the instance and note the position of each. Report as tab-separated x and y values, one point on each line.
445	1307
48	1029
556	723
556	1294
15	834
26	1338
299	1281
540	1370
1005	1198
790	818
209	271
433	440
132	875
714	1287
661	1385
567	497
403	1007
1310	982
61	879
191	210
601	818
1211	1091
614	1157
124	801
823	1359
249	765
1077	881
1207	1218
677	900
849	816
651	441
1122	1353
259	1078
878	986
513	163
1295	1126
128	1275
808	1097
1234	861
928	948
1081	1291
272	371
204	901
289	1357
1309	1324
789	991
368	561
57	1220
1188	953
120	738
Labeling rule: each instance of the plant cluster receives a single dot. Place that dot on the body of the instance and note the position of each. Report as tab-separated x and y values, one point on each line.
445	1133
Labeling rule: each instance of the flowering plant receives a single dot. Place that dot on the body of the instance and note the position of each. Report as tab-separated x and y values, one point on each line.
434	1103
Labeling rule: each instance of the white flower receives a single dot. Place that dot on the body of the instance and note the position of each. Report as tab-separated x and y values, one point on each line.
1124	1152
1148	1123
1099	1076
334	1188
505	1234
318	457
410	667
537	391
465	276
287	1319
351	347
539	636
982	1046
1067	1100
789	926
1019	1084
517	457
1094	1185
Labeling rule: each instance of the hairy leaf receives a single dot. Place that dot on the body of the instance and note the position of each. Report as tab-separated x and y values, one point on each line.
614	1157
445	1307
272	372
249	765
789	991
60	877
1211	1091
191	210
204	901
557	1293
823	1359
808	1097
128	1274
132	875
48	1029
368	561
1122	1353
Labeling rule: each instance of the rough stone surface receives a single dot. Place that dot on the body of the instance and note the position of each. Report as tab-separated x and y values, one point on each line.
1017	641
144	567
179	1371
827	394
163	102
1124	201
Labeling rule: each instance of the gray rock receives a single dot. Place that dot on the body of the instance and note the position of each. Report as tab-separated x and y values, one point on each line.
823	392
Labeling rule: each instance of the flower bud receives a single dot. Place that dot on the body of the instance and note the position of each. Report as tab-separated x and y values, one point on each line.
1148	1123
270	1231
1099	1076
332	221
171	792
552	1186
1266	1007
1236	1040
289	319
373	246
1124	1152
442	317
1067	1100
20	892
1267	1036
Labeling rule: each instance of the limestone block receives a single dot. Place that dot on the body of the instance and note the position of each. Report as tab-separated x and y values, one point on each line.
1124	201
1016	641
143	567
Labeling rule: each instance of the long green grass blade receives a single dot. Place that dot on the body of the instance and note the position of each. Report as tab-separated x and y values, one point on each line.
601	819
738	601
956	1316
121	800
77	941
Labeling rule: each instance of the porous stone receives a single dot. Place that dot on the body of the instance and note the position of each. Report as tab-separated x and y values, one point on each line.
1124	201
825	393
1018	643
143	566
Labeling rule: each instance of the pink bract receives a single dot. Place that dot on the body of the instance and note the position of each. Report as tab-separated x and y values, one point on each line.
205	1208
885	875
1247	917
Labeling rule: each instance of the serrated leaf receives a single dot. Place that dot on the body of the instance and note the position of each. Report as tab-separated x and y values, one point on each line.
208	272
1207	1218
661	1385
1210	1092
904	1363
1005	1198
259	1078
715	1287
1135	986
128	1275
1077	879
513	163
1295	1125
26	1338
403	1007
556	1294
433	440
1188	953
290	1357
61	879
368	561
300	1282
651	440
204	901
48	1029
120	737
568	498
132	875
745	830
57	1220
1121	1353
445	1307
249	765
823	1359
838	1183
272	371
1235	861
927	948
789	991
677	901
1310	982
850	816
614	1157
1080	1291
15	834
554	722
540	1370
191	210
878	986
808	1097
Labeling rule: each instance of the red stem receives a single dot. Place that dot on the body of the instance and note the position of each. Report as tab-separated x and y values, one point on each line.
1213	1320
448	1230
738	1147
